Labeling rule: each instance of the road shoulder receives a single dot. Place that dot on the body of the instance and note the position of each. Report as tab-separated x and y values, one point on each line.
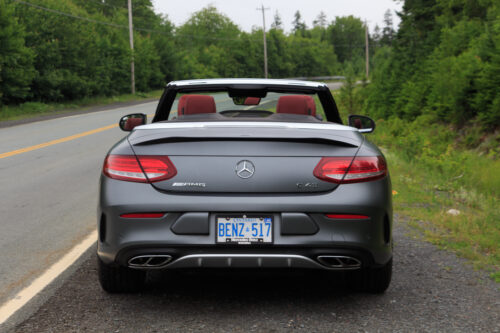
79	111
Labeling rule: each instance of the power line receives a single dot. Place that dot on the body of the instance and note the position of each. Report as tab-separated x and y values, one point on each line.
105	4
58	12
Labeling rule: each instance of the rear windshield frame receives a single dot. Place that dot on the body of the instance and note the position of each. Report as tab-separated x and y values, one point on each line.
323	92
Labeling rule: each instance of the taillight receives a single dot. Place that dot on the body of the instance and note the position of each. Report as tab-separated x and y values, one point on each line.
343	170
141	169
143	215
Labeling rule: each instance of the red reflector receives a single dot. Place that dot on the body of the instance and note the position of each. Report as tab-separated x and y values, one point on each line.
143	215
347	216
141	169
343	170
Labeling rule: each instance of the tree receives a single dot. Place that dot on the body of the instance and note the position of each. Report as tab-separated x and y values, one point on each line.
279	57
376	36
299	26
348	97
321	20
388	30
311	58
277	22
16	60
208	26
347	36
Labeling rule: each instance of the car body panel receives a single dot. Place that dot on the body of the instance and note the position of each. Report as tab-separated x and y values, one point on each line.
372	199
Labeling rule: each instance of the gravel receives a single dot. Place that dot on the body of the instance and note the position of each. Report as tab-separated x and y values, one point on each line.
432	291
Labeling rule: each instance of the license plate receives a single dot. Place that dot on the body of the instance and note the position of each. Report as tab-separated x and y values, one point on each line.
244	230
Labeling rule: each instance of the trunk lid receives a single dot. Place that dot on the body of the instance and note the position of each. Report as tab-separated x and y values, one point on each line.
235	159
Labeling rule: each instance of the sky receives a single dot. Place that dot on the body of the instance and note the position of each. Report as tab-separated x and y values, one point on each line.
244	12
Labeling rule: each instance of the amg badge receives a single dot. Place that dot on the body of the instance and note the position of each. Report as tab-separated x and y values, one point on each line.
189	184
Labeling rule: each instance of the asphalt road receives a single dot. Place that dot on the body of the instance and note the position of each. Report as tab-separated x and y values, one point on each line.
432	291
49	197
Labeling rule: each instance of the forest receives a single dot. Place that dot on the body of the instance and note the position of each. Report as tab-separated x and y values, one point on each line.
442	62
57	50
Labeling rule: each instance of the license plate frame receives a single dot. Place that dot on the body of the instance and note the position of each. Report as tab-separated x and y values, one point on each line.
244	221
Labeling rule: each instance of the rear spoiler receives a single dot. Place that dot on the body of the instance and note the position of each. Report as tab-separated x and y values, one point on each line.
152	141
332	137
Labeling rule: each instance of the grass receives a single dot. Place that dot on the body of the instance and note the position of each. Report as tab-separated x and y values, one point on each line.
432	172
474	234
35	109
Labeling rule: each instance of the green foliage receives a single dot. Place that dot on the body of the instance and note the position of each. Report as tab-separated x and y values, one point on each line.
445	64
75	49
16	60
308	57
299	26
347	36
348	96
488	84
209	27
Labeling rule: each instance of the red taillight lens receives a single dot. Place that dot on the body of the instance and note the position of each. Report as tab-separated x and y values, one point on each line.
347	216
343	170
157	168
332	169
143	215
142	169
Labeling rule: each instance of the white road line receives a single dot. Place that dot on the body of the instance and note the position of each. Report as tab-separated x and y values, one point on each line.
24	296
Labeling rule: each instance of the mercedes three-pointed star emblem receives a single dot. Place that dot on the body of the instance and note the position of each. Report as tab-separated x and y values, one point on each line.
245	169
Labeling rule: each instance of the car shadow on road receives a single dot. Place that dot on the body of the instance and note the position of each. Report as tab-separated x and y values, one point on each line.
231	285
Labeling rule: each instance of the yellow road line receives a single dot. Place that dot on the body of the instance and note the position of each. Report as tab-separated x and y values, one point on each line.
54	142
61	140
25	295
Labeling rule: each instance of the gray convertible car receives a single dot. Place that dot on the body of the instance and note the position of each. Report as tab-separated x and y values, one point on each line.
245	173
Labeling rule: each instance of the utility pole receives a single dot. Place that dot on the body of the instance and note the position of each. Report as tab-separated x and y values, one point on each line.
265	42
131	36
367	51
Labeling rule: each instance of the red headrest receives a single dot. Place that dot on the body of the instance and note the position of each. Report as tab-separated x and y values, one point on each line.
195	104
296	104
131	123
181	105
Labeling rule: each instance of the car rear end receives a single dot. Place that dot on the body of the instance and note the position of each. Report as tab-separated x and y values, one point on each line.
245	195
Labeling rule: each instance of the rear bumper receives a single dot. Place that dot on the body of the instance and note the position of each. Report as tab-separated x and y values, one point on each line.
267	257
368	241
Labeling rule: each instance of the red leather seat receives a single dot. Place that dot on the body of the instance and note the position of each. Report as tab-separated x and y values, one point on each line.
196	104
181	105
296	104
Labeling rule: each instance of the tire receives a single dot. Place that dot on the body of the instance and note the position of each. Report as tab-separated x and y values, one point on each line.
117	279
372	280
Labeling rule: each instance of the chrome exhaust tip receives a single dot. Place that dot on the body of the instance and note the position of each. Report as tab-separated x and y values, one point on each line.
150	261
339	262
